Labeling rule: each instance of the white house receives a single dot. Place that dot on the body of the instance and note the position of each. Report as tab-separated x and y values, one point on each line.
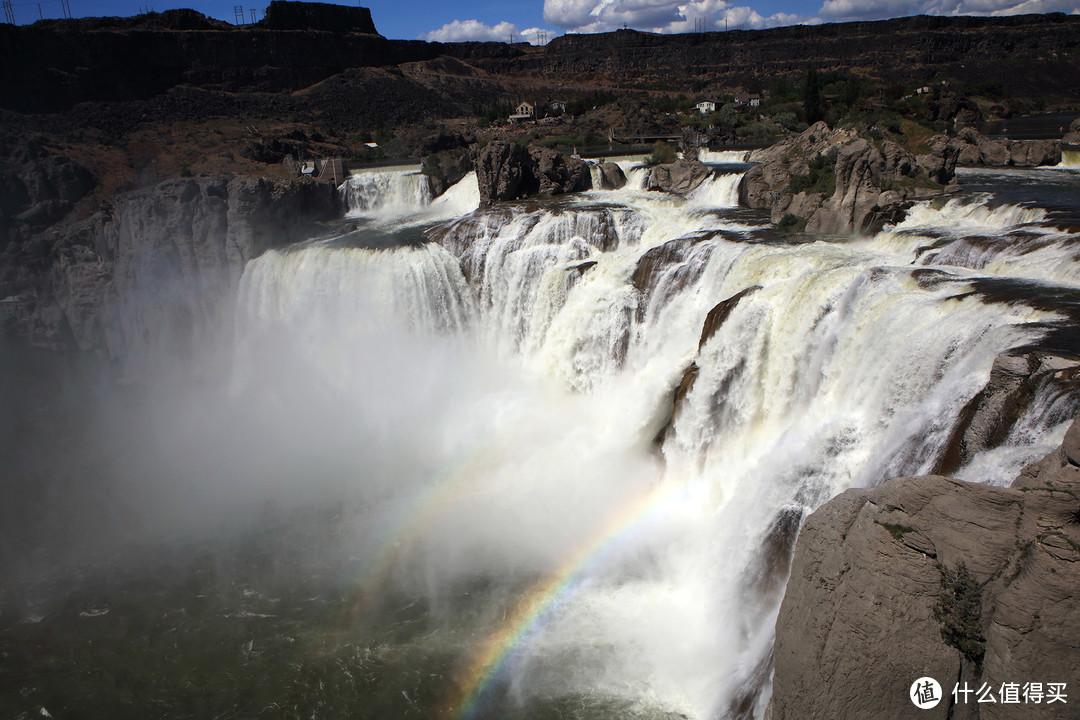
525	111
747	99
705	107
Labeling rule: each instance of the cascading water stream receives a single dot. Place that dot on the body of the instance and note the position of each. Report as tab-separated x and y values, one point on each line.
625	545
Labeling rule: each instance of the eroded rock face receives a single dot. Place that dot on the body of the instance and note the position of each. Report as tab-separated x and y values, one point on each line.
851	180
975	149
508	171
37	189
680	177
611	176
986	420
145	275
1072	137
857	626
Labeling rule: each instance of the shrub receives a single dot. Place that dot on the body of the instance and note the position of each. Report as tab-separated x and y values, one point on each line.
820	177
662	154
959	610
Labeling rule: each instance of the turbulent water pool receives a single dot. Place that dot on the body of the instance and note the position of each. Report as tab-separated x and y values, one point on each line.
516	462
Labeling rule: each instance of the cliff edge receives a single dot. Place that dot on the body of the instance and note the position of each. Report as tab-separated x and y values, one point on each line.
930	576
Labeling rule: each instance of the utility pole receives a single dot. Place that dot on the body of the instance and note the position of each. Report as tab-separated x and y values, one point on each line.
238	10
252	16
9	12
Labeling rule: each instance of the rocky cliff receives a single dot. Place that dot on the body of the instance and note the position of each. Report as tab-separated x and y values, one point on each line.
934	577
153	272
833	180
911	49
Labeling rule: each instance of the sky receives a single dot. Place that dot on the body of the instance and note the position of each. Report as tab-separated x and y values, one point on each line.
536	20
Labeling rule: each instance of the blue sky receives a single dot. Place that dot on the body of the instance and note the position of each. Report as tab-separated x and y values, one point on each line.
451	20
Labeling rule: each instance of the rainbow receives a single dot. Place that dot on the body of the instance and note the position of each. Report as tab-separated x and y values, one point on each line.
537	603
429	505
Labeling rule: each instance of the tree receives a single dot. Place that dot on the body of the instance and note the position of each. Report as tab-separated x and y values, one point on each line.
812	97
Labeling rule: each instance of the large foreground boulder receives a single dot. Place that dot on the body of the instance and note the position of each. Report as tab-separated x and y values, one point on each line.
934	577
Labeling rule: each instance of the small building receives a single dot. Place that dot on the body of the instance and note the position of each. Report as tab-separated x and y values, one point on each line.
557	105
330	170
525	111
705	107
325	169
747	100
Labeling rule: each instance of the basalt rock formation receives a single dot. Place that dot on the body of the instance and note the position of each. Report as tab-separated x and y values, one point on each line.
975	149
835	179
934	577
1073	136
152	271
509	171
680	177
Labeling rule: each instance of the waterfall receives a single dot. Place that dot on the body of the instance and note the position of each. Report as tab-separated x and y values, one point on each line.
647	396
723	156
398	193
1070	158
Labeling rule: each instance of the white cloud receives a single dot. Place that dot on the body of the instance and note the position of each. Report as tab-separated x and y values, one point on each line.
466	30
661	16
676	16
838	10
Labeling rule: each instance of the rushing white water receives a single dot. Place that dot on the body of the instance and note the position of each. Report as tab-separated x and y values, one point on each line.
1070	159
404	193
839	367
723	156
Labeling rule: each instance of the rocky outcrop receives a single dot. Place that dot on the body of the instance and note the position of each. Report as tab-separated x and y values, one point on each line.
836	180
680	177
292	15
38	188
509	171
447	168
721	312
933	577
975	150
151	272
955	109
611	176
986	420
1072	137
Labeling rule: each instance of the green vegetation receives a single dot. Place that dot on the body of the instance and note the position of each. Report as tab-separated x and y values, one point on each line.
819	178
897	531
662	154
791	223
812	109
959	610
